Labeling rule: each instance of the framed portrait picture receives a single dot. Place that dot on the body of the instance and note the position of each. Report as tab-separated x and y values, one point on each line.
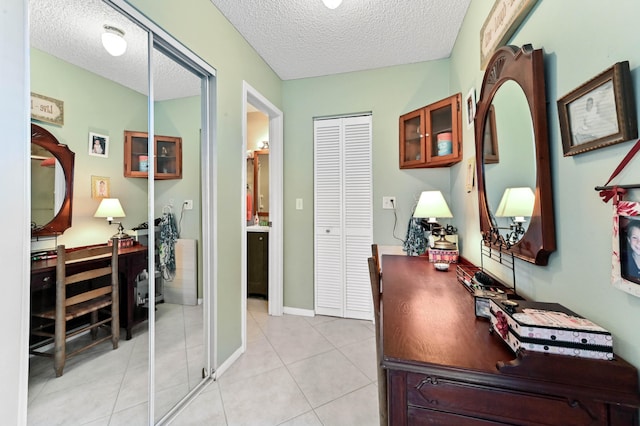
470	102
599	113
98	145
100	187
626	247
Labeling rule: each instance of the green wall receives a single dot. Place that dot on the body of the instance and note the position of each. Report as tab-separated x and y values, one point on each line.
92	104
580	39
387	93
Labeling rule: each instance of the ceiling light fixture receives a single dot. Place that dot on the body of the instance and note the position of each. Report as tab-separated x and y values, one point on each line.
113	40
332	4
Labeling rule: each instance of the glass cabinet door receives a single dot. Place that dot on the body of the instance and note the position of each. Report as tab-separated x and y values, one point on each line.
412	139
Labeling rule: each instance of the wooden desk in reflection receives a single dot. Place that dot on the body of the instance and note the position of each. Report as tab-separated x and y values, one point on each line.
131	261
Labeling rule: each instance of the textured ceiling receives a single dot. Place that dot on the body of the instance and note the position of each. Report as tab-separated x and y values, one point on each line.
303	38
72	29
297	38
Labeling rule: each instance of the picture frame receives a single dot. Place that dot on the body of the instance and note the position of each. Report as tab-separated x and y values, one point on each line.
490	139
98	145
100	187
599	113
625	273
470	102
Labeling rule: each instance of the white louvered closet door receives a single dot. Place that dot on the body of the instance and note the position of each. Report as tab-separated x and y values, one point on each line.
343	216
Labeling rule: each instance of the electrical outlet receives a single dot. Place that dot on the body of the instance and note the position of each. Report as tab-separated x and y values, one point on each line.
188	204
389	203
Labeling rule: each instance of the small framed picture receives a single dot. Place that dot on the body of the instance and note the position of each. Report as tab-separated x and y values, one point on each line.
599	113
626	247
471	107
100	187
98	145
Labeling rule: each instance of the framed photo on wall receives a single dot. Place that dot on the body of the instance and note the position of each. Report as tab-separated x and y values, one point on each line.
98	145
599	113
470	103
100	187
626	247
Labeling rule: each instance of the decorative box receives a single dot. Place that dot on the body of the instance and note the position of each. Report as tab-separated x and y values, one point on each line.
443	256
123	242
550	328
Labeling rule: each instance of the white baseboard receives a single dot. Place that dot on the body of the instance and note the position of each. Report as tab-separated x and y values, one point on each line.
297	311
228	363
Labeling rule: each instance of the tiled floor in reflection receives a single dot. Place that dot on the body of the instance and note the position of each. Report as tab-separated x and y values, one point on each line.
296	371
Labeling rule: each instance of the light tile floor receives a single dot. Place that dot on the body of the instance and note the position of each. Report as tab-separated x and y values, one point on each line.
296	371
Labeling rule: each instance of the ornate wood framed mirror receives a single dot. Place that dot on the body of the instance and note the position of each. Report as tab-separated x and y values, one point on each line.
511	121
51	184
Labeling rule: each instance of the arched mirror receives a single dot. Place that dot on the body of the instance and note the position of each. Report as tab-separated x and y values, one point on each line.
51	184
512	155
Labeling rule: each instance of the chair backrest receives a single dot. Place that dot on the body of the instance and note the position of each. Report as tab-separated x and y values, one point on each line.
376	256
374	276
65	258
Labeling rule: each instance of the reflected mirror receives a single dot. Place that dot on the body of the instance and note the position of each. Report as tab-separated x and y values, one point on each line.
51	184
515	166
512	156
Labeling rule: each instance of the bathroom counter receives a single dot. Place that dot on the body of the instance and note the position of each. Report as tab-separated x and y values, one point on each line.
257	228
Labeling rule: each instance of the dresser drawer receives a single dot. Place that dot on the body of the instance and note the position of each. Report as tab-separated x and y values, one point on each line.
513	407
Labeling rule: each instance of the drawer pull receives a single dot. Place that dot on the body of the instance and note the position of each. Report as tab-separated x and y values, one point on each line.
45	279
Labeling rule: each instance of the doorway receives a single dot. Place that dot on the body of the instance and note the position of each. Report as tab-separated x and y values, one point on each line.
271	202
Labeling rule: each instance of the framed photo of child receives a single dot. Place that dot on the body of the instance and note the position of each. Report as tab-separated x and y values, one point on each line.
100	187
98	145
626	247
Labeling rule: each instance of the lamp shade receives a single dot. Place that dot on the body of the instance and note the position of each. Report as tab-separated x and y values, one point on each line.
432	204
516	202
332	4
113	41
109	208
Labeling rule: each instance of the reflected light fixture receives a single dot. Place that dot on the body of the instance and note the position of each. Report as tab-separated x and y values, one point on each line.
432	205
516	203
110	208
332	4
113	40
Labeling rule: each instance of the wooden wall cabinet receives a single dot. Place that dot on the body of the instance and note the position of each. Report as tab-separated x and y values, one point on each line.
419	132
168	156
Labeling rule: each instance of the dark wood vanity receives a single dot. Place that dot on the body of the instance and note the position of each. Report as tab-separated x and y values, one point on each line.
444	367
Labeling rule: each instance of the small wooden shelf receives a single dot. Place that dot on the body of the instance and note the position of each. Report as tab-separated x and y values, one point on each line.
168	156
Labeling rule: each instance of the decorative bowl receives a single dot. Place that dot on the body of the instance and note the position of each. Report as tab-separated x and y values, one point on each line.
441	266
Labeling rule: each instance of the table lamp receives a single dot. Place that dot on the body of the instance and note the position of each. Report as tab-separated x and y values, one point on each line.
516	203
110	208
432	205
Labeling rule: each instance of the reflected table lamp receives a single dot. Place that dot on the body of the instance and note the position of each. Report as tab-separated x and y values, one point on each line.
110	208
516	203
432	205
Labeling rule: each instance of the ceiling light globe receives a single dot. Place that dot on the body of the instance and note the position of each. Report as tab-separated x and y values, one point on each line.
332	4
113	41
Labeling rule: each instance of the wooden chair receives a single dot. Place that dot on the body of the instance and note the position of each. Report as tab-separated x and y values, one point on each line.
376	257
374	275
82	298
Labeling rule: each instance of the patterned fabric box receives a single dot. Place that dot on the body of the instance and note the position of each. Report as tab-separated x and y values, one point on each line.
550	328
444	256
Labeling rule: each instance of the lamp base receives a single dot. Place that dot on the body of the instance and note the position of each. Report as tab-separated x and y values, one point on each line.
444	244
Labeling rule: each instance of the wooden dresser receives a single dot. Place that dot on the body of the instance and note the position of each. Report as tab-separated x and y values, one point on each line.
444	367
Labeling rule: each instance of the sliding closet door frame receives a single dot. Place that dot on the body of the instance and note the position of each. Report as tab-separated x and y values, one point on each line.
162	41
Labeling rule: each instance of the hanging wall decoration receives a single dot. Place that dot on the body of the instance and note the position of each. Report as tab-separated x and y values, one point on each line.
626	247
